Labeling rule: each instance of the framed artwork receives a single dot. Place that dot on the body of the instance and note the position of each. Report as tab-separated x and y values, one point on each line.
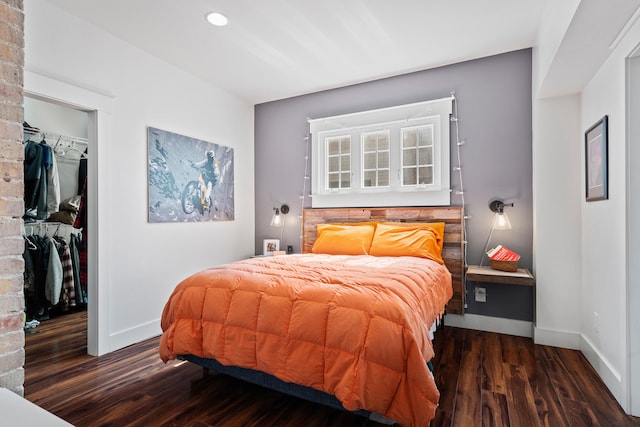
270	246
190	180
596	150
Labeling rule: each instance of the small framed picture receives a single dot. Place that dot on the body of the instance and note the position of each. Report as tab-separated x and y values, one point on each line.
270	246
596	174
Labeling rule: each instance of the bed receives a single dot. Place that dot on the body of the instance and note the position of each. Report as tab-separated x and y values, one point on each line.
331	325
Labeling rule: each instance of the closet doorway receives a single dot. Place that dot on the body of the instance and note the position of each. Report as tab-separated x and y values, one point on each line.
98	108
61	132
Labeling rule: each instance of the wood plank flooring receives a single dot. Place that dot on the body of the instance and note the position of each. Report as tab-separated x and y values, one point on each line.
485	379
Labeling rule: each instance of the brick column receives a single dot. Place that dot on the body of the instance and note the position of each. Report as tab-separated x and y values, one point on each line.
11	195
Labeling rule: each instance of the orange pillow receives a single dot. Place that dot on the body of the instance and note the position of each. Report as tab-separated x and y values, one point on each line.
344	239
418	240
437	227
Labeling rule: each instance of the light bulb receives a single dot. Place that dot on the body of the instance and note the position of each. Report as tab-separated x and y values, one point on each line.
217	19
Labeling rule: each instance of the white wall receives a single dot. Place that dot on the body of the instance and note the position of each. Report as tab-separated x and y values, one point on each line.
604	289
50	117
633	232
556	17
582	300
557	192
140	263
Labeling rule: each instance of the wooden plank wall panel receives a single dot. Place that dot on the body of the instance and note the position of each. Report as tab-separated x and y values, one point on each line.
452	252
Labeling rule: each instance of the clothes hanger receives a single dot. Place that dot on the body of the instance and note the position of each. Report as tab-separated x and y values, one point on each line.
30	244
70	147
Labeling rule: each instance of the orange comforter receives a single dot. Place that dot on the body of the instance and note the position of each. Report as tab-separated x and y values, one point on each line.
356	327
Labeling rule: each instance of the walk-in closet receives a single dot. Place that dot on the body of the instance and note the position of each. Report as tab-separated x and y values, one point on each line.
56	150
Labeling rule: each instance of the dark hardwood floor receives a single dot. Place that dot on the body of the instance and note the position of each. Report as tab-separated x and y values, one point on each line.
485	379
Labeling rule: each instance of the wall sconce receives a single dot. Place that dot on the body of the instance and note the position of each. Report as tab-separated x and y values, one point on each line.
500	219
500	222
276	219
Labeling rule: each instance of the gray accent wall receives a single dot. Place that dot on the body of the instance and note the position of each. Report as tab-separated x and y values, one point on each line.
494	108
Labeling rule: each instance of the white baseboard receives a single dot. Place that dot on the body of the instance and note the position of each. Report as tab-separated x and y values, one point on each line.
610	376
577	341
134	335
499	325
555	338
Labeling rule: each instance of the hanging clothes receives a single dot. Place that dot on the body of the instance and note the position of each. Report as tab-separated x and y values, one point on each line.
81	286
29	274
53	187
36	262
72	165
55	277
81	222
82	171
52	280
68	296
53	284
35	180
52	174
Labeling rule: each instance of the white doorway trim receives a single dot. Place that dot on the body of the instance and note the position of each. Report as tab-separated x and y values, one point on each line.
633	229
100	108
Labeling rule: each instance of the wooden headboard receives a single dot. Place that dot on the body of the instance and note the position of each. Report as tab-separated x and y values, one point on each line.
452	252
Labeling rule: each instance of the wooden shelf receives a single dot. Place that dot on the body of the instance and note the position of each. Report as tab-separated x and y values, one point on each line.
478	273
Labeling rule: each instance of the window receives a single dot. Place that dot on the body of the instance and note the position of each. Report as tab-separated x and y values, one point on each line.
417	155
375	159
338	162
396	156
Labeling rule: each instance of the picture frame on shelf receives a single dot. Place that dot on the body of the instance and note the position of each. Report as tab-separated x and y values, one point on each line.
270	246
596	162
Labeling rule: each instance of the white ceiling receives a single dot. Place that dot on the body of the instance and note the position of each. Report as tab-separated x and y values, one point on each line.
274	49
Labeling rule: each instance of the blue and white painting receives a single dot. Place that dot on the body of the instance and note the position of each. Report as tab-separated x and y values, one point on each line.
190	180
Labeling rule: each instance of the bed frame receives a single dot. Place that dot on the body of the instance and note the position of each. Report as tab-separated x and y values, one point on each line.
452	253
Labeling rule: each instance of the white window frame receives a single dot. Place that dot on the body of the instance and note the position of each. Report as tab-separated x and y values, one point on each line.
377	169
418	164
436	113
340	155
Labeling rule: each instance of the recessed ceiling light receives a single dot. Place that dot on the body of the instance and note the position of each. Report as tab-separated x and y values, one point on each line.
217	19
